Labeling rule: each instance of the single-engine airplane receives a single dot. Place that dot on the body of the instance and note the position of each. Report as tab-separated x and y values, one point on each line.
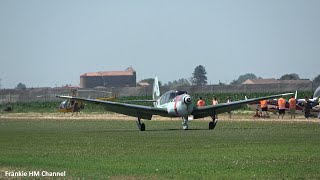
171	104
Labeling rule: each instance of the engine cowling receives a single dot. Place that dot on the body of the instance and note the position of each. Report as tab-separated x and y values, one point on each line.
181	107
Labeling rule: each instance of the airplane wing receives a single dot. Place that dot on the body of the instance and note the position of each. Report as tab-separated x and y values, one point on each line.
146	100
144	112
200	112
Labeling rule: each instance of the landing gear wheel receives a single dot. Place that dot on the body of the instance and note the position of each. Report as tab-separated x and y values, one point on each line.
142	127
212	124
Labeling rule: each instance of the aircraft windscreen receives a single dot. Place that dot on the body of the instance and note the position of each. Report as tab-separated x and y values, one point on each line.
169	96
64	104
181	92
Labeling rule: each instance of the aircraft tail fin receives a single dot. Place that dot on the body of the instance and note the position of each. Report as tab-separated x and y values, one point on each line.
156	90
296	95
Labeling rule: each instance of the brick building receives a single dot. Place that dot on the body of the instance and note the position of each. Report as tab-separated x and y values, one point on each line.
125	78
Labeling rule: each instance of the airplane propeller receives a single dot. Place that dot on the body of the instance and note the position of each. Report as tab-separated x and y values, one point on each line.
187	99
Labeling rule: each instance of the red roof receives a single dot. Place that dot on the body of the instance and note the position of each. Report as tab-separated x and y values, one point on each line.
275	81
109	73
128	72
261	81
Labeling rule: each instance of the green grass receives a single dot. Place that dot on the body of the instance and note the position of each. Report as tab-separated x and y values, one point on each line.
116	149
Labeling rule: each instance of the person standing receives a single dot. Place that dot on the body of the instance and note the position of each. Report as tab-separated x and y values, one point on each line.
264	108
229	112
282	107
215	102
201	102
292	107
76	108
307	107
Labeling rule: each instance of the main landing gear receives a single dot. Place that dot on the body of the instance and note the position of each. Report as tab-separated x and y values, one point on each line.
213	123
141	126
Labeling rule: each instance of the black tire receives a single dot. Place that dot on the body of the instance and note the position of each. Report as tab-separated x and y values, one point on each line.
211	125
143	127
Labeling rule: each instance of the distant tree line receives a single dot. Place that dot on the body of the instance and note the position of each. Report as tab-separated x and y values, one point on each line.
243	78
292	76
199	77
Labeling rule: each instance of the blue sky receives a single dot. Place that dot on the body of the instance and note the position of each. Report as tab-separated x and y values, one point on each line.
51	43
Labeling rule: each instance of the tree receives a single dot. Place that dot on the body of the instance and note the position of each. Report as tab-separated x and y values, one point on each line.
21	86
179	82
317	79
183	82
292	76
199	76
243	78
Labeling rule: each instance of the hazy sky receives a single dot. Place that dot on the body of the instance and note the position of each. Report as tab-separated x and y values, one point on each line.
53	42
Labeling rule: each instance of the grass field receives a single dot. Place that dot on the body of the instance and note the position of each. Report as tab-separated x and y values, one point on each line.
98	149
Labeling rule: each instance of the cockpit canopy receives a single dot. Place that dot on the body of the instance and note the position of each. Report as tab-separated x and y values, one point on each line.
170	95
65	104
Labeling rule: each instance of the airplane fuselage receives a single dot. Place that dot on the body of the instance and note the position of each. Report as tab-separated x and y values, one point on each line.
177	103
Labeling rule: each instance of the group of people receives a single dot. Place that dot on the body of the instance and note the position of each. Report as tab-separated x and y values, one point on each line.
201	103
281	104
281	108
